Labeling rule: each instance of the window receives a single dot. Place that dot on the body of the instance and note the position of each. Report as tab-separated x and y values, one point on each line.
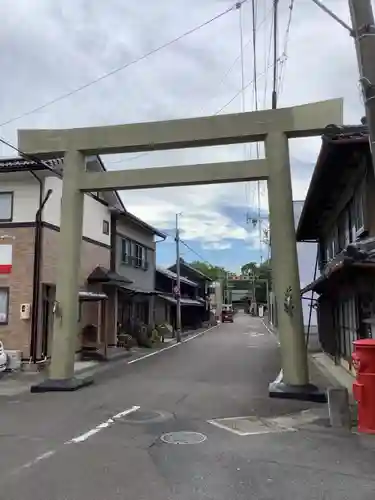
352	221
145	261
134	254
358	210
126	251
4	305
139	255
330	247
6	206
105	227
343	230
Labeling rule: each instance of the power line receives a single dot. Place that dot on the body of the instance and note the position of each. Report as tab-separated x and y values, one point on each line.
284	55
32	158
267	62
214	114
255	92
275	56
123	66
239	92
243	103
196	253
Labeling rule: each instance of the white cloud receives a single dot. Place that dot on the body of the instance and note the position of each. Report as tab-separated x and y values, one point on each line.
65	44
223	245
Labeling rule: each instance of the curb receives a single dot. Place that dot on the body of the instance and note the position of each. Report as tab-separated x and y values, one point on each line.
103	367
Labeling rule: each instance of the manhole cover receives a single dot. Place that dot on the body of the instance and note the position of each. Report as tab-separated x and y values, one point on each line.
144	417
183	437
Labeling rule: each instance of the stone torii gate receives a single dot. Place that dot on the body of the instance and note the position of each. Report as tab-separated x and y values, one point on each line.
274	127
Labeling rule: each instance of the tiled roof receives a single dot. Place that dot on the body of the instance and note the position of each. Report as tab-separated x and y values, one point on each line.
173	276
18	163
339	145
346	132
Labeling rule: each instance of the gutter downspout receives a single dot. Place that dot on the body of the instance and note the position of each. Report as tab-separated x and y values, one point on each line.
36	269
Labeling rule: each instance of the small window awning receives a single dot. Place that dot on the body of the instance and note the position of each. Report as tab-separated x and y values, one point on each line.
91	296
135	291
107	277
183	301
338	270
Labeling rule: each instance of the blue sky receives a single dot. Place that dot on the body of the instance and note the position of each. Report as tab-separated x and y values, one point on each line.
234	252
231	259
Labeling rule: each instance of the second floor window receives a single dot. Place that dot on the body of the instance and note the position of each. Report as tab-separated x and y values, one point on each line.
343	230
105	227
6	207
126	251
358	202
134	254
140	255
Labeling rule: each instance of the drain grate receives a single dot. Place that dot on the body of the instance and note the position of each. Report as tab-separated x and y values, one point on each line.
183	437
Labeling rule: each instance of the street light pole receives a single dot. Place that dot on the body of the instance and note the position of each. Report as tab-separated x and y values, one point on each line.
178	283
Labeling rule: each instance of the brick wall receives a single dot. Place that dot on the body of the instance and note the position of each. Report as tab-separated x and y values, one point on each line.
92	255
16	334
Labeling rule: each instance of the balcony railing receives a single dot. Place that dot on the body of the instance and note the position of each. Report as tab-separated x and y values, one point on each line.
137	262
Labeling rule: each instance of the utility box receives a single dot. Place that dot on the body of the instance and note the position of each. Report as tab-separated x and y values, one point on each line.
14	360
25	311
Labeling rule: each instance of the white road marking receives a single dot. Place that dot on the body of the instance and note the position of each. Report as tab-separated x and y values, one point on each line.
103	425
236	431
170	346
270	331
252	426
39	458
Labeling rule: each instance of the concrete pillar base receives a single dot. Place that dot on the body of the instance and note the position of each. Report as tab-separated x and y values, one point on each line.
306	392
62	385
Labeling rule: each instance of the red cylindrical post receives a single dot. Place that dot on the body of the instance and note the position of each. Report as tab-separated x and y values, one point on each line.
364	387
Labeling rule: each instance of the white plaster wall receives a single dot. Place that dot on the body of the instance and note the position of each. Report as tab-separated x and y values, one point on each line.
25	198
93	215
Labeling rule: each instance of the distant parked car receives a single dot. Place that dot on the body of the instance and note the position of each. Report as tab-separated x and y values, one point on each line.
227	313
3	358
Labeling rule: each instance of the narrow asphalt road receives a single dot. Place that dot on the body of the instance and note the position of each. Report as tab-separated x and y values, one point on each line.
110	441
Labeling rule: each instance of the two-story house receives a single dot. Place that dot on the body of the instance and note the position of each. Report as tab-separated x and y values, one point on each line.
30	204
339	214
204	282
132	270
165	301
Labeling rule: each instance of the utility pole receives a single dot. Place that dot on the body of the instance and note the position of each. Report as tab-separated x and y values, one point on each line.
178	283
363	32
275	56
